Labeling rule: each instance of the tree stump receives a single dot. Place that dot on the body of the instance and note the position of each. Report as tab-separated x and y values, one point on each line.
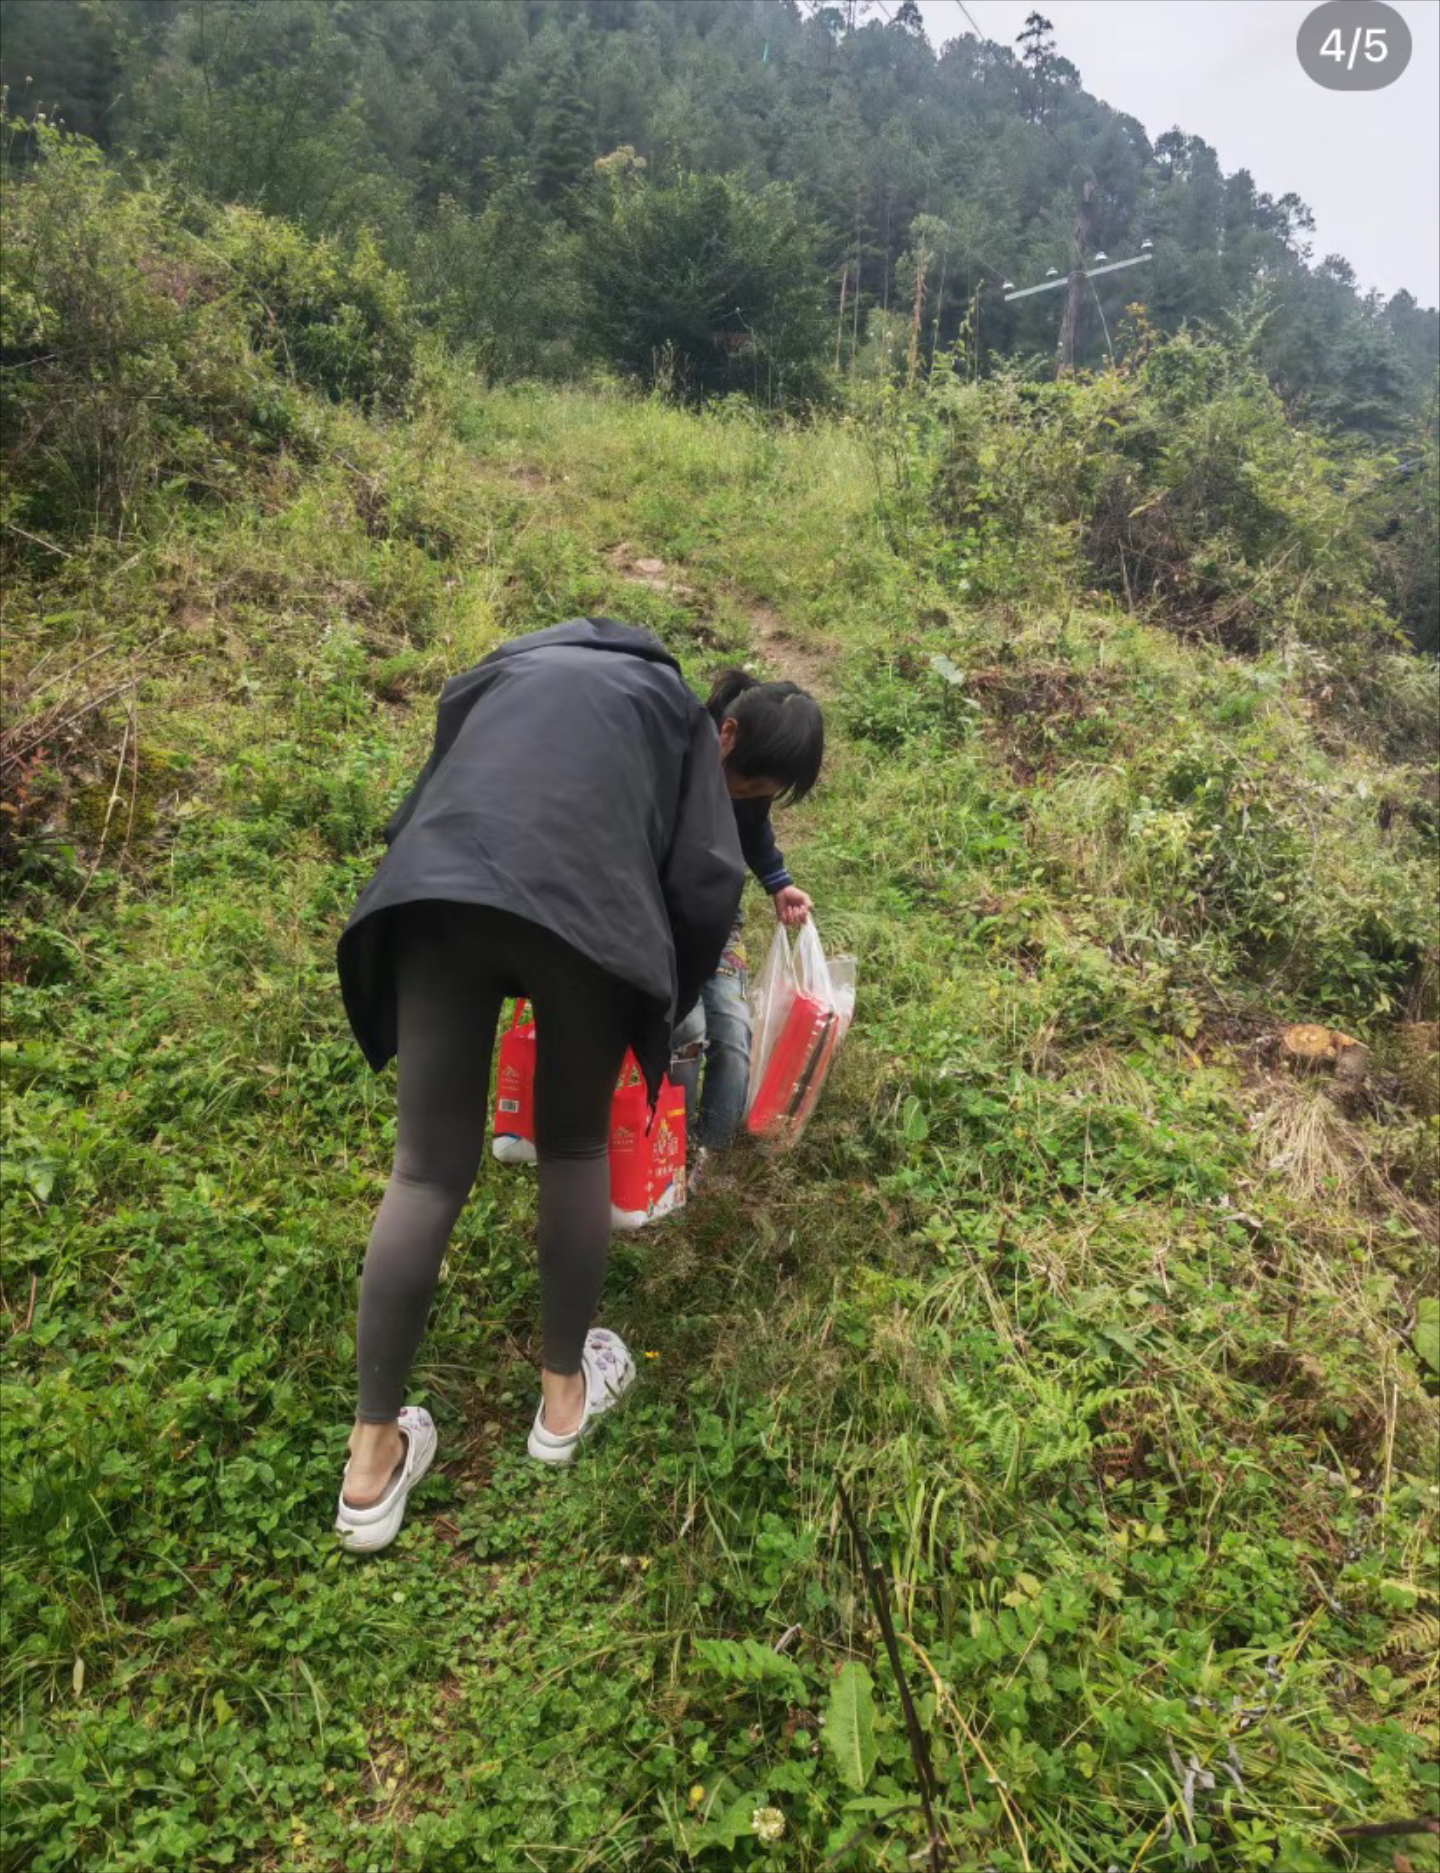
1312	1049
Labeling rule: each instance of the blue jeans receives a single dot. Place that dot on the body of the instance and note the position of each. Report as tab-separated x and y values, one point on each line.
721	1022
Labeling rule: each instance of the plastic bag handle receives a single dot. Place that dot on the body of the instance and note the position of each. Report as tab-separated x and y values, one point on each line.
809	950
520	1006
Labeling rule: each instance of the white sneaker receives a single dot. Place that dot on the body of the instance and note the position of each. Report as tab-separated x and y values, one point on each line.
362	1531
608	1372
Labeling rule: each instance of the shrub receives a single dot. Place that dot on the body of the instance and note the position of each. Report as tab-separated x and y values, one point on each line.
500	284
1180	486
1289	876
333	316
124	368
139	352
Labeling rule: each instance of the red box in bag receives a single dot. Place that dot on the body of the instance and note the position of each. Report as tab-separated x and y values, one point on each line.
797	1065
803	1003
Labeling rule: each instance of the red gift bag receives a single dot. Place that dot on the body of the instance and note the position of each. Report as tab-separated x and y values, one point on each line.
798	1062
647	1157
667	1187
514	1141
629	1150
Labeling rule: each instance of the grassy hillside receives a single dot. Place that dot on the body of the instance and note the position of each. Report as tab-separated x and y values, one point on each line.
1113	1324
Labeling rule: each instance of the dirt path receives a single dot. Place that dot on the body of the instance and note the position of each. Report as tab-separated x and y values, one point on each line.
795	660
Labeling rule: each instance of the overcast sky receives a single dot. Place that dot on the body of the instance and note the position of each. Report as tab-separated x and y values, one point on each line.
1368	163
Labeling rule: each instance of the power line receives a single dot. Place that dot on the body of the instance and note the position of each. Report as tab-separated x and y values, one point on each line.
971	18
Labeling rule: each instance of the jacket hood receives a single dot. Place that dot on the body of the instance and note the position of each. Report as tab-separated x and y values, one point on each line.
590	634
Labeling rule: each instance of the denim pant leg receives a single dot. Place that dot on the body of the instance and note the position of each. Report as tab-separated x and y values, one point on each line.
687	1057
727	1058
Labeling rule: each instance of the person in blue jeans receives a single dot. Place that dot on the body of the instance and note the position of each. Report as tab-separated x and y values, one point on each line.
772	742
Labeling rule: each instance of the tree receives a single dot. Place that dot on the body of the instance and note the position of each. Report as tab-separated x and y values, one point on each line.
61	58
1332	354
349	113
1416	331
1410	532
256	102
1037	55
829	22
708	287
502	283
563	148
929	238
1038	41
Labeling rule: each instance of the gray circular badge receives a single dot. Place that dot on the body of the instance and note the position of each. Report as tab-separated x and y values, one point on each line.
1354	45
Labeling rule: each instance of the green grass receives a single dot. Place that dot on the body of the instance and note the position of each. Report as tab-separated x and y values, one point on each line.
1105	1320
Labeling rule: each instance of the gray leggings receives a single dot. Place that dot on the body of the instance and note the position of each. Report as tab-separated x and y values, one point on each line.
455	965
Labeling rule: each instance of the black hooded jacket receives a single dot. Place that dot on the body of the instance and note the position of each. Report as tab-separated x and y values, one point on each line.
575	781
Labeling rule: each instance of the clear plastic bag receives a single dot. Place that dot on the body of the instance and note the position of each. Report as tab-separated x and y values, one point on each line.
801	1005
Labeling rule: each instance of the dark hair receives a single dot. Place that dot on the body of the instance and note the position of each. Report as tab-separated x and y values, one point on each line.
780	731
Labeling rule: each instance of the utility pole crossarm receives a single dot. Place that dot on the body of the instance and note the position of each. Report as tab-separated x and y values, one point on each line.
1116	265
1050	286
1045	286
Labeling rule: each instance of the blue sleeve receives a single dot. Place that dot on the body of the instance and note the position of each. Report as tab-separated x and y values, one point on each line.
757	842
